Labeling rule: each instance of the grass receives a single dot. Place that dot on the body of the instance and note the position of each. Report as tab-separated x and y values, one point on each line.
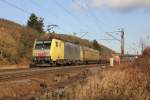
114	84
124	82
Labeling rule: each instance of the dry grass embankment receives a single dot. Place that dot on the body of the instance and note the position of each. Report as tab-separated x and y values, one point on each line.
114	84
125	82
16	42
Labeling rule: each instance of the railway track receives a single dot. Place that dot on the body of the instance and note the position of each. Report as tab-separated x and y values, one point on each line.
27	73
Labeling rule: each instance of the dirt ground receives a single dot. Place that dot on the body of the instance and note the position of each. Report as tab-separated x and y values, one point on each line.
124	82
35	85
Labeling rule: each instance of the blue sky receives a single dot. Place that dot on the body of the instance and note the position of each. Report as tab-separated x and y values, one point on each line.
95	17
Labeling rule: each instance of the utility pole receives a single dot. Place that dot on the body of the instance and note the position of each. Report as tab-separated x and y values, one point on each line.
122	42
119	40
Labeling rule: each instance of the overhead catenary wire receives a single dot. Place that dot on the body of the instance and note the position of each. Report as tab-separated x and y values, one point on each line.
83	34
69	13
37	5
95	19
53	14
28	12
112	36
107	39
19	8
16	7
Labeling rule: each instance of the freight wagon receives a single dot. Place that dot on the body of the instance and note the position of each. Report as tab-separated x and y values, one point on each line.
58	52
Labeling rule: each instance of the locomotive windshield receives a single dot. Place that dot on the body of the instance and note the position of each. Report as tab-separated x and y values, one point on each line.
42	44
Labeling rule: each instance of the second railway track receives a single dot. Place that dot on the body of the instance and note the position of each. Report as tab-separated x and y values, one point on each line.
27	73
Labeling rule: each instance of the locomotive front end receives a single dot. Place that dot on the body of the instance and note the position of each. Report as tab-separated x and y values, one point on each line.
41	52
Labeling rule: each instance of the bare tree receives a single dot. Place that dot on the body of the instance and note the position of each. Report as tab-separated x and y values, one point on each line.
143	44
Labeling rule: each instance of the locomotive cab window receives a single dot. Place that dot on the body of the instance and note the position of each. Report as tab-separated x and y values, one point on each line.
42	44
39	45
47	44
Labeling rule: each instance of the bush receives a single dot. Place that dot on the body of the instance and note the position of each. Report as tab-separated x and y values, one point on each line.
146	52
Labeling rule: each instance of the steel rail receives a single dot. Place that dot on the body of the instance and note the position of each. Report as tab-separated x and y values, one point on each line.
10	75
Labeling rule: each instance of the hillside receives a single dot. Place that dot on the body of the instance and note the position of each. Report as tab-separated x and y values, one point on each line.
16	42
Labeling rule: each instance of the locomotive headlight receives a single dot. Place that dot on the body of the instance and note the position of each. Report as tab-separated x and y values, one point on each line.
47	54
35	58
34	53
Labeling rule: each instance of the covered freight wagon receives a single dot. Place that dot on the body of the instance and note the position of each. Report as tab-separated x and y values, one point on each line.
90	55
71	52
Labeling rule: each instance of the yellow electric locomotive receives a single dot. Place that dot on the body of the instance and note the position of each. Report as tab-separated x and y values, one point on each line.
58	52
